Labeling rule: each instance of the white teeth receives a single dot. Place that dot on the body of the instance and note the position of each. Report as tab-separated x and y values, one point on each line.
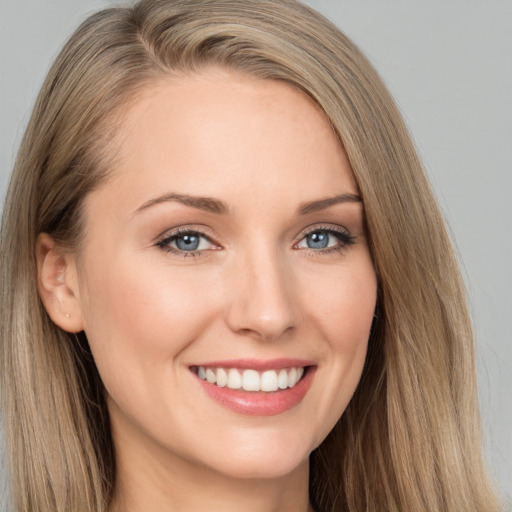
251	380
234	379
269	381
282	379
210	376
222	378
292	377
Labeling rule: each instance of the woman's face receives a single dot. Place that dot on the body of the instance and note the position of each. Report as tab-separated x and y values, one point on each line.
227	250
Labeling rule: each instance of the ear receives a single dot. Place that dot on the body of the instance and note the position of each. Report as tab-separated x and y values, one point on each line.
58	284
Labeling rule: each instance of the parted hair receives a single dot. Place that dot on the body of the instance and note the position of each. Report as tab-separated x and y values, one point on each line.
409	439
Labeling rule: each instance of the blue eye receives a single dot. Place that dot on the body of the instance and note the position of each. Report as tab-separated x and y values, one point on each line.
186	241
330	239
317	240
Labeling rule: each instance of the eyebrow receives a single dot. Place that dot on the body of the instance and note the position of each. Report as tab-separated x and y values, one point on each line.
219	207
322	204
202	203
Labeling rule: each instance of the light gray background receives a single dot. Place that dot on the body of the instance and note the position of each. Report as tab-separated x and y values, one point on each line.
449	65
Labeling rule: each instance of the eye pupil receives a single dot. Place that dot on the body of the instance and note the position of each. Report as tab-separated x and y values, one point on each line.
187	242
318	240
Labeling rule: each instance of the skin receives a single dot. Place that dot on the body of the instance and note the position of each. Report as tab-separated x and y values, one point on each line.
254	290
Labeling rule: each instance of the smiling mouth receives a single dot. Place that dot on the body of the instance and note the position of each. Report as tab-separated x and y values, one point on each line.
267	381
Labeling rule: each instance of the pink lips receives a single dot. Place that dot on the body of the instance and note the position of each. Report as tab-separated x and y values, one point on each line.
259	403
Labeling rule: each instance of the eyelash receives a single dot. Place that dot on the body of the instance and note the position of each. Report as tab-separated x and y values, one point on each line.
343	236
168	238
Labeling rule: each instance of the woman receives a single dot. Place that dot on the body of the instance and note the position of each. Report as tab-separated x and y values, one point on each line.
226	281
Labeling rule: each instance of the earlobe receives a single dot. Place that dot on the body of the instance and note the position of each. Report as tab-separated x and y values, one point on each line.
57	284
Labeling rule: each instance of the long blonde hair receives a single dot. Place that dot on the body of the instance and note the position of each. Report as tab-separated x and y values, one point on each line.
410	439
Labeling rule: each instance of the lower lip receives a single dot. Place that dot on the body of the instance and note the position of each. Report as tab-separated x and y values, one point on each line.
260	403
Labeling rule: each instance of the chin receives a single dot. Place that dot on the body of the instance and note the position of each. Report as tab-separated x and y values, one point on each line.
264	468
265	459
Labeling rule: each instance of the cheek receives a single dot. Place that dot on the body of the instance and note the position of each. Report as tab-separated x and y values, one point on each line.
350	319
343	311
344	305
135	319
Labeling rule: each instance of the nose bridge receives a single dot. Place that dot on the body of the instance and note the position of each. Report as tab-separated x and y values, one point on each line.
262	302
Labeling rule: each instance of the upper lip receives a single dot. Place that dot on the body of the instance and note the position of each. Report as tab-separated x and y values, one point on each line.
258	364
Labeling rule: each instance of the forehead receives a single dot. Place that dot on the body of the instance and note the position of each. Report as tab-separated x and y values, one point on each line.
217	133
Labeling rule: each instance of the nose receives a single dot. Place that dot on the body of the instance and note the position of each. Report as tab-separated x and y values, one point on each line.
262	303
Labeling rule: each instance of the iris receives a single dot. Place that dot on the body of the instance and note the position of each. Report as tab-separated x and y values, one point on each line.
317	240
187	242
